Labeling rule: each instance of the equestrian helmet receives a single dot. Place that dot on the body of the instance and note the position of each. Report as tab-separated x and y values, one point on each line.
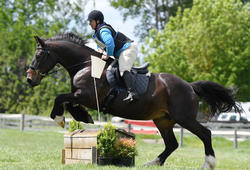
96	15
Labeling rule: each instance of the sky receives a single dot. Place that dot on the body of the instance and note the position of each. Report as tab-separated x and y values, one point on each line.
113	17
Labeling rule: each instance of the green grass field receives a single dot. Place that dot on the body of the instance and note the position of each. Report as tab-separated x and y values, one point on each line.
42	150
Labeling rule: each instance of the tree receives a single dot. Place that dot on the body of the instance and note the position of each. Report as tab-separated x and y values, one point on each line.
208	42
152	13
20	20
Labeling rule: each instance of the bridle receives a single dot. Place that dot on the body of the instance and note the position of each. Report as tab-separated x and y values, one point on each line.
35	69
47	53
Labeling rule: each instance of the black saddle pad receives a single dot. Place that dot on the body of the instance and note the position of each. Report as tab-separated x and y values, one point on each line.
115	81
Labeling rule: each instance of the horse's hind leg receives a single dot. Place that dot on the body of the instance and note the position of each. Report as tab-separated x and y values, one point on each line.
205	135
165	127
185	117
183	108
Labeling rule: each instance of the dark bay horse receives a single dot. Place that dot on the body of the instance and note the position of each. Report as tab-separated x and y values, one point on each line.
168	100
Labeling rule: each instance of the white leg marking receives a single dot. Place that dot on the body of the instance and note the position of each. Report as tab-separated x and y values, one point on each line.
210	162
156	161
60	120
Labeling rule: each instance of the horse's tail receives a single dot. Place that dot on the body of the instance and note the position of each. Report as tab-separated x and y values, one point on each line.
219	98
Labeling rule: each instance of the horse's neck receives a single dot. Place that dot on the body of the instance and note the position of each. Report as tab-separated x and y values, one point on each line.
72	58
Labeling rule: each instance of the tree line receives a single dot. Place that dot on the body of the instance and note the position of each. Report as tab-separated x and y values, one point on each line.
20	20
196	40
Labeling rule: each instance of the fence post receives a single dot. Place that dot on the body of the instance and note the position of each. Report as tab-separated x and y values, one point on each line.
181	137
129	128
235	139
2	123
22	122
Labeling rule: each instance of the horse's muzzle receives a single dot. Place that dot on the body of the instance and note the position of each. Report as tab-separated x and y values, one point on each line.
32	78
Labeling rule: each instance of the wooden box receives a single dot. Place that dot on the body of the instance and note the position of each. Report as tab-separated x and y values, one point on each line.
81	147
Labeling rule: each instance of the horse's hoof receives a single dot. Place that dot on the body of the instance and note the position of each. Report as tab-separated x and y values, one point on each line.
156	161
60	120
210	162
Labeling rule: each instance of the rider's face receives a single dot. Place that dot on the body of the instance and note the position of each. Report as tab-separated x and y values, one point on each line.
92	23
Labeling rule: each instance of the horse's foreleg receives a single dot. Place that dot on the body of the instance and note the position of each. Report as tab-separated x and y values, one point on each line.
165	127
58	109
79	113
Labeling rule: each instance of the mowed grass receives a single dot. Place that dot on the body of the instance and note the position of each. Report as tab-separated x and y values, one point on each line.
42	150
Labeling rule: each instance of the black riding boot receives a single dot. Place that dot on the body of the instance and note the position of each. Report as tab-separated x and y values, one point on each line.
129	80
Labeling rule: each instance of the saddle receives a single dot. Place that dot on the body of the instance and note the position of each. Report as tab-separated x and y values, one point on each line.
140	73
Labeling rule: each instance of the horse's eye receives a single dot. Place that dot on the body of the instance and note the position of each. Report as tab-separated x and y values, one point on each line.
39	54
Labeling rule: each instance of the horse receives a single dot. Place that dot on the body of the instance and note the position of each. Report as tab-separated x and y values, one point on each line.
169	100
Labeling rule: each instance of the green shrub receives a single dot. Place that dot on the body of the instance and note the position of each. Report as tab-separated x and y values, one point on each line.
110	146
106	140
74	125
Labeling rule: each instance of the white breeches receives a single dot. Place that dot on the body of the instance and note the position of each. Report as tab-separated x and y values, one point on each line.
127	58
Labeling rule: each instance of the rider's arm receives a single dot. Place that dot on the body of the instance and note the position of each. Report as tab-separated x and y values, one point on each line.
108	40
100	50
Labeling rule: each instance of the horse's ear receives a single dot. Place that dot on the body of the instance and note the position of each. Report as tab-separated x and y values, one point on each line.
39	41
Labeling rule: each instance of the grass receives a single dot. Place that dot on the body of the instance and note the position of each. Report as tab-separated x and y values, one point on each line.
42	150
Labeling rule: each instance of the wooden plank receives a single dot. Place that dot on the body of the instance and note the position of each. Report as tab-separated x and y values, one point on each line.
94	155
80	142
63	156
78	154
122	133
85	133
74	161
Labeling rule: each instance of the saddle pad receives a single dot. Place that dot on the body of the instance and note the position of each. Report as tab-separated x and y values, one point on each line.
141	83
115	81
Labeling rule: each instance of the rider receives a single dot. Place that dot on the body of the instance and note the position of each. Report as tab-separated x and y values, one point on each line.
118	45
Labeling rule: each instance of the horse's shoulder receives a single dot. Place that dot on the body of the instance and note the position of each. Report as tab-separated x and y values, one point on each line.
80	74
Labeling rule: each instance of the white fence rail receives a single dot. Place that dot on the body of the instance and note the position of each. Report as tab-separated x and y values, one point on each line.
23	121
232	130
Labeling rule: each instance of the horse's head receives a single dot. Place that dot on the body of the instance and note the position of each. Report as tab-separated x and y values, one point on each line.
42	62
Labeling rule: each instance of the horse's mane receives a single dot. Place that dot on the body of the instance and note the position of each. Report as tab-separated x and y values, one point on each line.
71	37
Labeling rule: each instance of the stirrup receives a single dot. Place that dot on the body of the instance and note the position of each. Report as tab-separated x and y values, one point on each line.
131	97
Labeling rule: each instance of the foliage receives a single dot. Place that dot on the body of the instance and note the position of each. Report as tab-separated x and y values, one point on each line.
19	21
152	13
106	140
110	146
208	42
125	147
75	125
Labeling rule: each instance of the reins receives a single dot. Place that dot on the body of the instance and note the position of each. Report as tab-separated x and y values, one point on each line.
55	71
